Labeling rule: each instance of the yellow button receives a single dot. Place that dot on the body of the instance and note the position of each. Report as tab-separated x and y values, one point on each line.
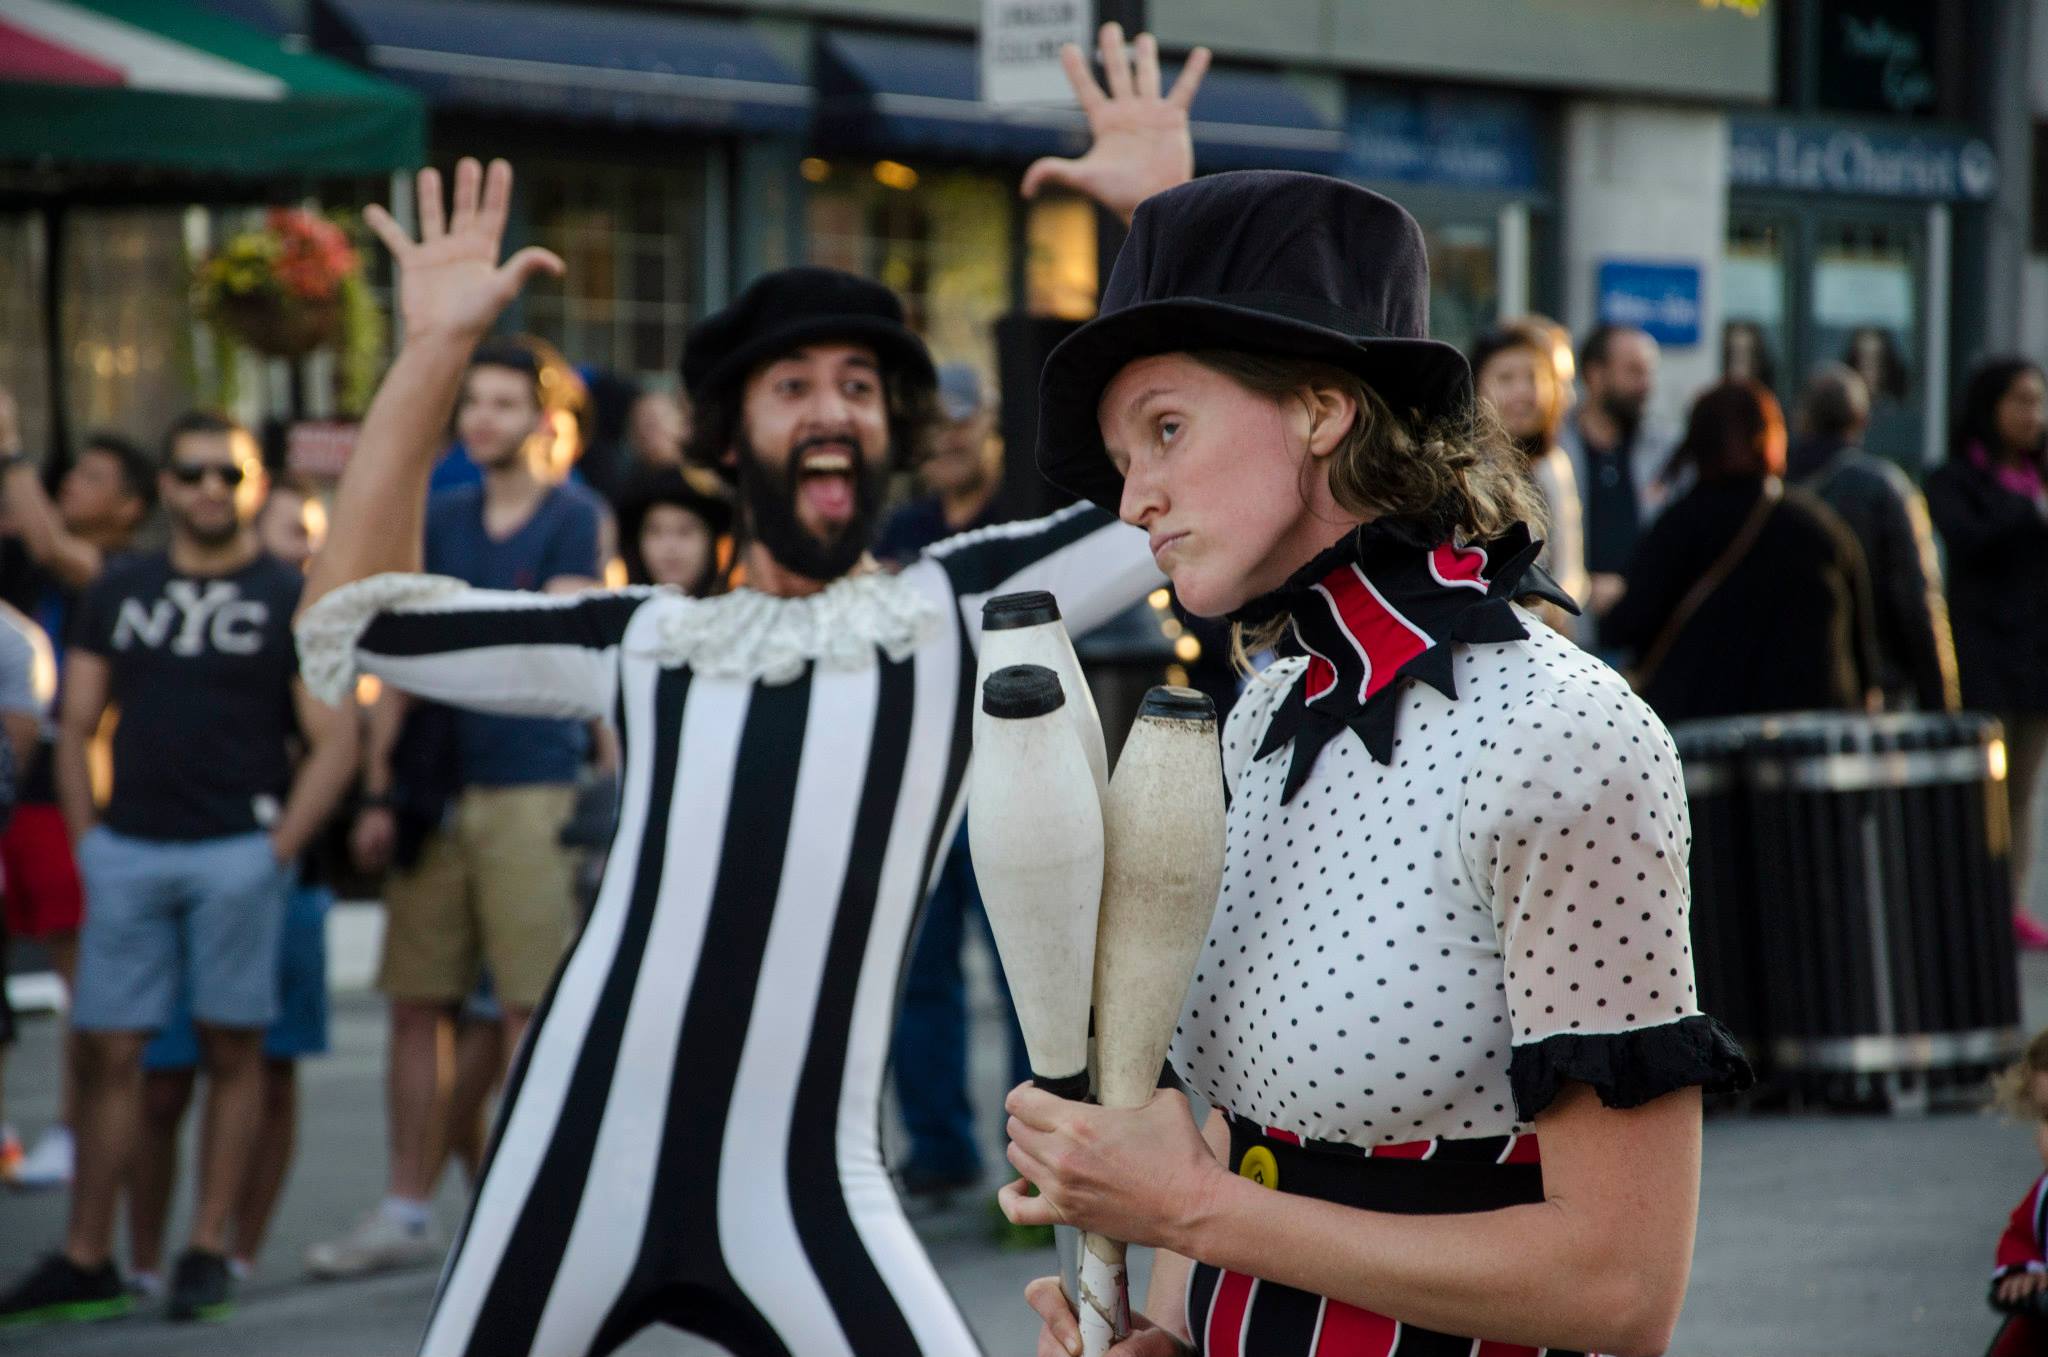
1259	1165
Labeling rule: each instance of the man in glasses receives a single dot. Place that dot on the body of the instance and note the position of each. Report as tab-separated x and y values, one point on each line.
187	865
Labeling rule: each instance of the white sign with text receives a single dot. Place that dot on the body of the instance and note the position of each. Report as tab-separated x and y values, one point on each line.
1020	49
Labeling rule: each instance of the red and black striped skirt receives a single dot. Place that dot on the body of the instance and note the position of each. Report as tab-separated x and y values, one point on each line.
1231	1314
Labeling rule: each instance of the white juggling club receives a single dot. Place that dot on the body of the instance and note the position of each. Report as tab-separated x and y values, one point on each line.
1035	830
1163	834
1025	628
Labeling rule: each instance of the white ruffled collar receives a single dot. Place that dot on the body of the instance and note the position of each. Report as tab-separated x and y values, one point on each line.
751	636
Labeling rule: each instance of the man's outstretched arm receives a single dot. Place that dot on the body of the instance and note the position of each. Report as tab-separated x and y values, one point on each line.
450	290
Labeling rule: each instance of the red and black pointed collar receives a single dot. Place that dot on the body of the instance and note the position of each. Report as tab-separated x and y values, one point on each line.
1379	608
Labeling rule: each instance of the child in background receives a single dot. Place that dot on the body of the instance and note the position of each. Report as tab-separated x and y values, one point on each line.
2019	1282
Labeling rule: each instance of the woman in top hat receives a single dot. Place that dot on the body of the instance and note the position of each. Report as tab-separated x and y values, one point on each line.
1446	1004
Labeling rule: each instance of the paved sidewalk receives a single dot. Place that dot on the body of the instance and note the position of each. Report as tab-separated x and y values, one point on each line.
1819	1236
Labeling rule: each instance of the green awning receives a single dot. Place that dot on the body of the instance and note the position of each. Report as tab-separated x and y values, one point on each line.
165	85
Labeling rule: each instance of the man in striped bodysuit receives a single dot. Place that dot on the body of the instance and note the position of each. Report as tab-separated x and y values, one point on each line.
690	1134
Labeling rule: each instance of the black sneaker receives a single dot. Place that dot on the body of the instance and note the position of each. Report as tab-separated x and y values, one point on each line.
59	1291
201	1287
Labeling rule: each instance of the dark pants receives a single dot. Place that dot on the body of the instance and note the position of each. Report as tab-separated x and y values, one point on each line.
930	1056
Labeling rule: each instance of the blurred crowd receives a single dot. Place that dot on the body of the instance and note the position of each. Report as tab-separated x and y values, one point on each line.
183	813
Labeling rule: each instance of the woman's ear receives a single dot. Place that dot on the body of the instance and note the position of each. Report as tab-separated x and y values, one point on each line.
1332	411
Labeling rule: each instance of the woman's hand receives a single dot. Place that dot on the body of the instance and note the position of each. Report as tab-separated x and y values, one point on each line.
1143	1175
450	283
1141	142
2011	1290
1061	1336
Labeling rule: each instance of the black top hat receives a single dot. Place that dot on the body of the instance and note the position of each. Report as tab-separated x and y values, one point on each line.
784	310
1256	261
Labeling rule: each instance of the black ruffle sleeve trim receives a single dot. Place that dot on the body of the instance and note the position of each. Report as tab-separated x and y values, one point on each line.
1628	1069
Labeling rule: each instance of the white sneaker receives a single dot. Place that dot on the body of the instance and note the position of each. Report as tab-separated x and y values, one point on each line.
50	1163
377	1243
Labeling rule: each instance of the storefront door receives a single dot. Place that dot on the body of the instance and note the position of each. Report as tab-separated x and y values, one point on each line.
1849	284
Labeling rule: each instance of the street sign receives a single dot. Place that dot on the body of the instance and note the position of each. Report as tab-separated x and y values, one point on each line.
1662	300
1020	49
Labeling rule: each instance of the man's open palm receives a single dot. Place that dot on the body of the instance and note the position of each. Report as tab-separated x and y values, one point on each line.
449	280
1141	142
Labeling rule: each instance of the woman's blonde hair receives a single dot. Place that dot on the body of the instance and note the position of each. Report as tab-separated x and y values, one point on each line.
1458	475
2012	1092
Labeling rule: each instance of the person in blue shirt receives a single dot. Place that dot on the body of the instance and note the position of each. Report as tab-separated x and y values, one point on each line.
490	884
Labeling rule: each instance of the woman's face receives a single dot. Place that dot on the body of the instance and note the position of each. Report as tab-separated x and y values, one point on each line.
1232	487
1522	386
2023	413
676	546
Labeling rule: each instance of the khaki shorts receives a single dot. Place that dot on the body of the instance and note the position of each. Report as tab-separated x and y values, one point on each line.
495	885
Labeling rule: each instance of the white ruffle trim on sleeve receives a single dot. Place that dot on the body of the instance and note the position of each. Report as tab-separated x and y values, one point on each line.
330	630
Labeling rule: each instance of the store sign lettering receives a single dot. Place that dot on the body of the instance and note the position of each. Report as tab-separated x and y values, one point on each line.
1662	300
1020	49
1904	78
1455	140
1850	160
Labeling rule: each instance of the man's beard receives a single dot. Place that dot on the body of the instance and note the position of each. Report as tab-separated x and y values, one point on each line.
209	535
769	497
1626	412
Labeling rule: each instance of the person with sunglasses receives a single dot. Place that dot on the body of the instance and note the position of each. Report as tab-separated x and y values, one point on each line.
188	865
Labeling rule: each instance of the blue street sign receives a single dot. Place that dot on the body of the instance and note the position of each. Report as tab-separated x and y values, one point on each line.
1663	300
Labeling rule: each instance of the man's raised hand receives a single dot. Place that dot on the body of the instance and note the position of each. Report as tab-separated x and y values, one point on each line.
450	283
1141	144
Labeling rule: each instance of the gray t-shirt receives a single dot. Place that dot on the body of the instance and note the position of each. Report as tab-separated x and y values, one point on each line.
28	667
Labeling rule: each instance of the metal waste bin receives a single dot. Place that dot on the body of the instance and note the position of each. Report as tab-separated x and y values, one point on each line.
1852	911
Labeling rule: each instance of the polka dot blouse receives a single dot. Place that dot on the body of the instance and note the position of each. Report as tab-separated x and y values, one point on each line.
1429	946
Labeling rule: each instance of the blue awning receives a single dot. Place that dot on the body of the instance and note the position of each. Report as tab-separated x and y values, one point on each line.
925	94
562	60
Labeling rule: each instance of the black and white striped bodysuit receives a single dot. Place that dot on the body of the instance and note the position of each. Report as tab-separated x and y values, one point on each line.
690	1134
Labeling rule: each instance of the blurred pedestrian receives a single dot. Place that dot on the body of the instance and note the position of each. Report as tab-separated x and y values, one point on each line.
492	884
1990	502
289	528
2019	1273
961	470
52	549
1746	354
656	430
1916	658
292	523
1515	371
1744	596
28	680
187	872
1618	455
1873	351
674	523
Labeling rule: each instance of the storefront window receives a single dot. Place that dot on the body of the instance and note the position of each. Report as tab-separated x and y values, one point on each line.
1863	313
1464	279
24	363
127	320
1802	288
1060	274
632	240
1753	330
940	239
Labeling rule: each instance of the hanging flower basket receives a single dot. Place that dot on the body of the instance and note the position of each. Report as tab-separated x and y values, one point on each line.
279	290
279	328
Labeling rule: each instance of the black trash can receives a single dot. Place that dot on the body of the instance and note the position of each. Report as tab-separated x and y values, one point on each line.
1852	900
